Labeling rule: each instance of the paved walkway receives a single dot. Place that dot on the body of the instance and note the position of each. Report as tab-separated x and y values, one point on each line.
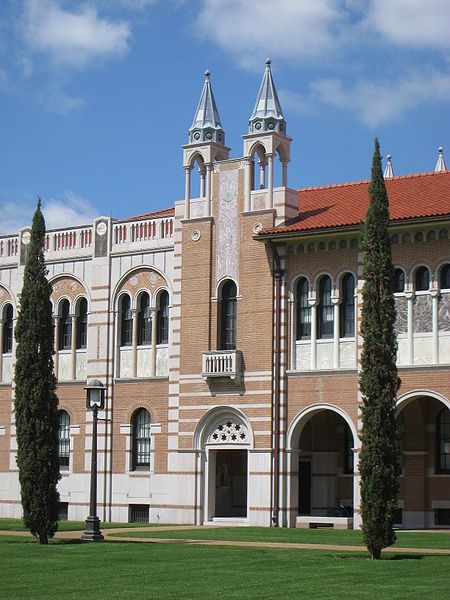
111	534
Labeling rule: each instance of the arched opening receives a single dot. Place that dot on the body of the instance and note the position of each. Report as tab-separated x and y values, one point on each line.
82	323
322	468
258	176
65	326
144	320
8	315
227	316
424	444
225	438
198	178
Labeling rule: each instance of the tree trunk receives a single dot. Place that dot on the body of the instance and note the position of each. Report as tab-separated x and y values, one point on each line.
43	538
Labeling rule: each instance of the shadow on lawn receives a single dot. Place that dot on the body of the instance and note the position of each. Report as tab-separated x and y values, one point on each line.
383	556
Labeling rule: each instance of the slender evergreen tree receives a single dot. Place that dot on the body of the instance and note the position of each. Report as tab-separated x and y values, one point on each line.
36	404
379	383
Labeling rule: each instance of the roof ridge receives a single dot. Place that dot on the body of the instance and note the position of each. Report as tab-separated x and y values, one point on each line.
363	181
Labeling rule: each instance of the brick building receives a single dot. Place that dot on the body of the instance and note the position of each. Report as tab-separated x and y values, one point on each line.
226	331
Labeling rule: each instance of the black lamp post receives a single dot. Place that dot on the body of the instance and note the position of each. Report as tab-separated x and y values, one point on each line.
95	401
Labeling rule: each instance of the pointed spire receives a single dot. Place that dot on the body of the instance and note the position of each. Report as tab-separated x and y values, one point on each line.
267	114
206	126
440	165
388	171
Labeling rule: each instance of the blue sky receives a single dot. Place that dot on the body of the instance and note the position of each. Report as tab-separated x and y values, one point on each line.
97	96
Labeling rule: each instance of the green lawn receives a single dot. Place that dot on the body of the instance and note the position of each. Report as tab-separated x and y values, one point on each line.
169	571
17	525
416	539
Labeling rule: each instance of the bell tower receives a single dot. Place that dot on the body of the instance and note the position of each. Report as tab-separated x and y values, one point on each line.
266	138
206	144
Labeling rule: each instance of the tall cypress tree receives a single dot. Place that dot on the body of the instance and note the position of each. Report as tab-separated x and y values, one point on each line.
378	380
36	404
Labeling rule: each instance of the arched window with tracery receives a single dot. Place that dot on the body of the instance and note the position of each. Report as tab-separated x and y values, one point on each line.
82	323
126	321
422	279
140	446
65	326
303	310
144	321
8	316
325	321
64	439
347	307
443	441
227	316
163	319
399	281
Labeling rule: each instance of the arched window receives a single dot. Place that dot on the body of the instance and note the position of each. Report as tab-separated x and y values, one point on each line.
347	306
227	321
65	327
144	321
163	319
82	324
443	441
126	322
399	281
140	453
325	309
64	439
422	279
444	279
7	329
303	310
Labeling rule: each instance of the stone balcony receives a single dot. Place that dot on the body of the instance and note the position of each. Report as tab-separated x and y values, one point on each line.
222	363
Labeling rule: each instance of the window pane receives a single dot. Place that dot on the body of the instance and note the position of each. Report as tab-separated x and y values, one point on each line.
399	281
422	279
64	439
65	327
443	441
141	440
126	323
347	307
144	321
325	321
163	319
445	277
303	310
82	324
8	329
227	330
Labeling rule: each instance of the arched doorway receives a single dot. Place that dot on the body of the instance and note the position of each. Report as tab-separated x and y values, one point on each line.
424	445
322	449
225	438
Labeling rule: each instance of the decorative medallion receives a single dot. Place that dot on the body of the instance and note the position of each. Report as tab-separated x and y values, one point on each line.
26	237
153	279
258	125
209	135
196	135
73	286
2	292
133	281
196	235
257	227
101	228
228	195
56	288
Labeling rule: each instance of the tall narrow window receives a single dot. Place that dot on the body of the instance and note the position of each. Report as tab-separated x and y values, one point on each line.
126	322
144	321
7	329
303	310
325	309
141	440
399	281
347	306
422	279
64	439
163	319
65	327
82	324
227	330
443	441
444	279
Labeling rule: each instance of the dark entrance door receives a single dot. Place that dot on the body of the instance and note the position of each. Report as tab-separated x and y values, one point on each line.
304	487
231	483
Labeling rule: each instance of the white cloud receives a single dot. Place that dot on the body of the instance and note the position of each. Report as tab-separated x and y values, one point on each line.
67	211
72	38
55	99
416	23
286	28
376	102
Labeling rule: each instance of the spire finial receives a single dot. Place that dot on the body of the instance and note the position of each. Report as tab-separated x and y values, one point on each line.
206	126
440	165
388	171
267	115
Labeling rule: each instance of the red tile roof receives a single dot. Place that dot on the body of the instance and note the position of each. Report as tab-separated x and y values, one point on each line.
410	196
166	212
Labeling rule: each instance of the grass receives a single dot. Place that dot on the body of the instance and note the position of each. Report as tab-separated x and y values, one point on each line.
415	539
17	525
127	570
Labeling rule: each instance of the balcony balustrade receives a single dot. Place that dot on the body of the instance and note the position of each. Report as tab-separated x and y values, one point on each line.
222	363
